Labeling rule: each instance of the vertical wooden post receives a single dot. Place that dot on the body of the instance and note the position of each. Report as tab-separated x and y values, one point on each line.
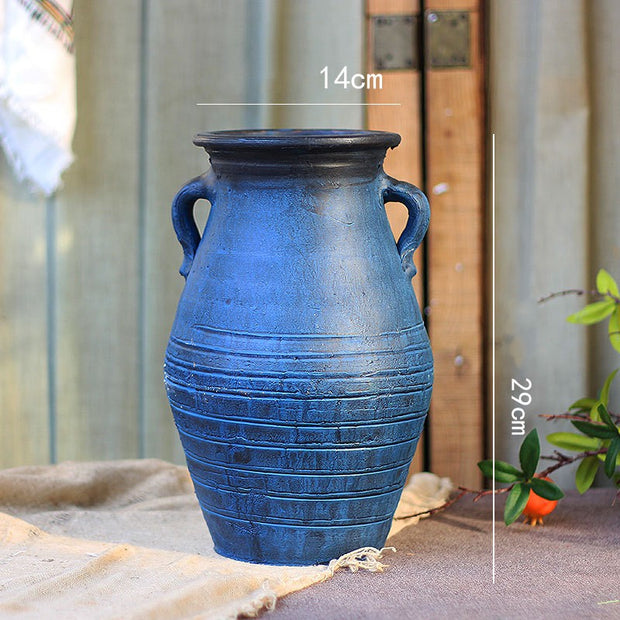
405	163
455	115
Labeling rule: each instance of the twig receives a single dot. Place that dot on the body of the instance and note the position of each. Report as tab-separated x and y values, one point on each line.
566	460
432	511
564	416
579	291
575	416
570	291
480	493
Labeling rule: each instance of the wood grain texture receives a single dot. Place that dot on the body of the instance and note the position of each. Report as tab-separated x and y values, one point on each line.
97	240
455	148
541	97
404	162
311	36
603	21
24	434
184	46
453	5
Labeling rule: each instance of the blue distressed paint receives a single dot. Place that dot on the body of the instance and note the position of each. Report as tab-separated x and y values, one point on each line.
298	369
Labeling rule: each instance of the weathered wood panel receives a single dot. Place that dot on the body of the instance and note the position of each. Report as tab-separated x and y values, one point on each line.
603	25
24	429
540	115
455	114
405	162
312	35
187	63
97	240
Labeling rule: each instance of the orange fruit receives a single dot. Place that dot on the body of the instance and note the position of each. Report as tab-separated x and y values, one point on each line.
538	507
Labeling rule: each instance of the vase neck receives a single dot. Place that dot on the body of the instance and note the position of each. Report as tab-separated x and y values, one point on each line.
297	153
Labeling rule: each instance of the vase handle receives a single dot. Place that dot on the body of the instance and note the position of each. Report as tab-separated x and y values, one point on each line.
417	222
183	220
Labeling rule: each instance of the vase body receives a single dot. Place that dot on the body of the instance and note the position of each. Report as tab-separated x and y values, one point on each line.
298	370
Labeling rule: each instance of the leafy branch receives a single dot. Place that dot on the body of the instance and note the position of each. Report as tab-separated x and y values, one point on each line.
597	441
480	493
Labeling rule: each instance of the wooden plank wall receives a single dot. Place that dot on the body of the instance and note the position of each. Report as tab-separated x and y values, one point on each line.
450	123
548	170
24	428
89	279
404	162
455	147
175	79
96	318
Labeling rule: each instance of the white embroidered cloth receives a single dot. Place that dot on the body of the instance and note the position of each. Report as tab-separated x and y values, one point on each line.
37	89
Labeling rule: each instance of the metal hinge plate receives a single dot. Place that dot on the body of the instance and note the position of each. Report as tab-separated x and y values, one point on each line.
396	42
447	40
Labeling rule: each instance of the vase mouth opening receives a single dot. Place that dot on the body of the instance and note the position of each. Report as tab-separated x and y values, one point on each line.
323	140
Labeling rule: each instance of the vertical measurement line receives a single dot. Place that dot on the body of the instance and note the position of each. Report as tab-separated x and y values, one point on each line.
51	314
493	341
427	462
141	259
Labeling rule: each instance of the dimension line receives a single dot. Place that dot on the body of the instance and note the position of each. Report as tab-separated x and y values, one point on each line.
292	104
493	339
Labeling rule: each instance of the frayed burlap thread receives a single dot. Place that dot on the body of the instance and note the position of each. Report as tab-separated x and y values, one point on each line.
366	558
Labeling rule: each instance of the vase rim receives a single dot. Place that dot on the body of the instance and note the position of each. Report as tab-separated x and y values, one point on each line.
307	139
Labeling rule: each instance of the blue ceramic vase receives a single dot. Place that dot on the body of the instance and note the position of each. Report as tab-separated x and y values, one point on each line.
298	369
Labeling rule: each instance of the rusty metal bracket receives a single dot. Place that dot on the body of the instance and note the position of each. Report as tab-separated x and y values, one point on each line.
448	40
396	40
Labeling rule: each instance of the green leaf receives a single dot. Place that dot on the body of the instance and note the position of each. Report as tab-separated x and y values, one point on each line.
593	313
602	457
546	489
606	418
606	386
595	430
573	441
504	472
606	284
612	454
583	404
614	329
515	502
584	476
486	467
529	454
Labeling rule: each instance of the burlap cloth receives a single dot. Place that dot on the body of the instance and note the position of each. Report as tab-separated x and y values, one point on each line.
126	539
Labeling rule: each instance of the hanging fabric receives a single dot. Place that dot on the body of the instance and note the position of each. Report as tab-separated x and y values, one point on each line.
37	89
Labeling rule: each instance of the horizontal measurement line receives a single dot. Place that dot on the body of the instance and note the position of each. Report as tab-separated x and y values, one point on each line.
294	104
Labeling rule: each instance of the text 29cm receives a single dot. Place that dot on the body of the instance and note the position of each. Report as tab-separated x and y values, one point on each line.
358	81
521	395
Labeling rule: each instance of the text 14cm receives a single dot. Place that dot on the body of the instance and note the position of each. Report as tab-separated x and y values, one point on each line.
358	81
